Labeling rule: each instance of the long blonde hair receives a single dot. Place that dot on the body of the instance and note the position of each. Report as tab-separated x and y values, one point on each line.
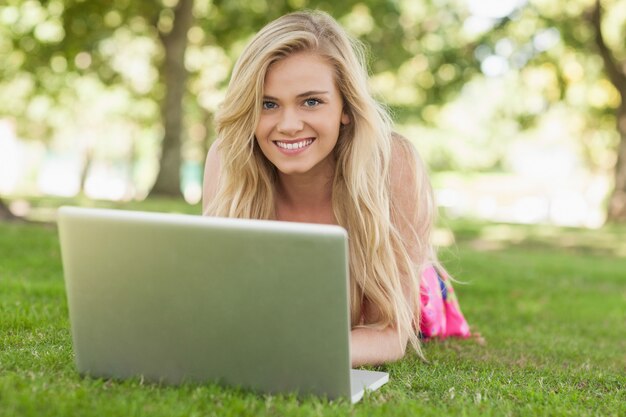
361	186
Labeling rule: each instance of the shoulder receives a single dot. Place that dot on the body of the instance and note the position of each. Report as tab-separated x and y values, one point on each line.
212	169
404	166
411	195
213	156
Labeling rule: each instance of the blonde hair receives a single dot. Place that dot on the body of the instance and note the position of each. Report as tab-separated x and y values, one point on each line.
361	186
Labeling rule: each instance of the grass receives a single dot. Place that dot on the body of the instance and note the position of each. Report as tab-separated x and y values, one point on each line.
549	301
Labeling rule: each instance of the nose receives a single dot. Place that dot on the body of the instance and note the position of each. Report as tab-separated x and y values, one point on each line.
290	122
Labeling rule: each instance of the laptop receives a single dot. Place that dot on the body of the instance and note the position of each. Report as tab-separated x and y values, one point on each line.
173	298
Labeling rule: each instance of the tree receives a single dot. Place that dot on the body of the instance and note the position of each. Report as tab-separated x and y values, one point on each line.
560	50
421	57
72	41
60	58
174	75
616	73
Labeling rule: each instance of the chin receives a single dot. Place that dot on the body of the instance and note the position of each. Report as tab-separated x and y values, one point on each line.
305	166
292	170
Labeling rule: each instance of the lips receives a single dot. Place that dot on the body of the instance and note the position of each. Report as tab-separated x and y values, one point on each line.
294	145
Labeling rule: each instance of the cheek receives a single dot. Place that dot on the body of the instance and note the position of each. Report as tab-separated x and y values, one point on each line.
328	121
262	128
331	126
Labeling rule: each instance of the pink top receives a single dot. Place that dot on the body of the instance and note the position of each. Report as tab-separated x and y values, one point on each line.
441	315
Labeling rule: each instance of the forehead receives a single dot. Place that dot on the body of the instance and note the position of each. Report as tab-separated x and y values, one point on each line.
300	71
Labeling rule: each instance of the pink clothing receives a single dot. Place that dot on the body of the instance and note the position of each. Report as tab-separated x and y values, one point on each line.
441	315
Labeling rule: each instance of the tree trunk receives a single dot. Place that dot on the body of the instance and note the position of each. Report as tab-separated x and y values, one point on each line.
615	72
175	43
617	201
209	128
84	172
130	189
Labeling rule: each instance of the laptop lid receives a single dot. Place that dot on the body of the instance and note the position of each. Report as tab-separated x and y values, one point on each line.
174	298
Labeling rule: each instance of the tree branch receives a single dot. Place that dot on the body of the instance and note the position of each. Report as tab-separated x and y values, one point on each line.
617	77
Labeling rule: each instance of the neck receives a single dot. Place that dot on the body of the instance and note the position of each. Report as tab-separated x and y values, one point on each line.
304	191
304	198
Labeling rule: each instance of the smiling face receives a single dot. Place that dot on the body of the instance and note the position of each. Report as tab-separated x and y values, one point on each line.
301	115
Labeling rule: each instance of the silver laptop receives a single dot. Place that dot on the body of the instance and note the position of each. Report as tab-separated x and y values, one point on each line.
175	298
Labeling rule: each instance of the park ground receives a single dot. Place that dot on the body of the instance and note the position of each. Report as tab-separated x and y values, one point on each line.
548	301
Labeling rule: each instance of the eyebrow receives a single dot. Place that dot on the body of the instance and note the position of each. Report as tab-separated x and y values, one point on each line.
305	94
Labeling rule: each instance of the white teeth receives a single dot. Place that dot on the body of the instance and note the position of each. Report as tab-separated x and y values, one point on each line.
296	145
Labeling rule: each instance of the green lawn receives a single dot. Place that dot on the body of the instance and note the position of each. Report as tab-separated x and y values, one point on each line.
550	302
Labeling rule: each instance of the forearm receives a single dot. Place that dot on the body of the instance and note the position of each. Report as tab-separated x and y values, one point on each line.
373	347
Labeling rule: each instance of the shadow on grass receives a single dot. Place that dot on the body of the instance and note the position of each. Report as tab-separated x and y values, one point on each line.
483	236
43	209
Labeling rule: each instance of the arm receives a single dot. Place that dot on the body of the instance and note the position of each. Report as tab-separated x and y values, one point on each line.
212	170
376	346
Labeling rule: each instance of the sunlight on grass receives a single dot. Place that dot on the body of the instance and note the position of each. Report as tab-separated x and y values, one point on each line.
548	300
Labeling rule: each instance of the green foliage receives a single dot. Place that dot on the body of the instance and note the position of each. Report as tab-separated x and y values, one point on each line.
552	319
425	57
56	41
551	44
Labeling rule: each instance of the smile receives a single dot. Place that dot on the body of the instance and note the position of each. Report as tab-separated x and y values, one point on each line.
294	145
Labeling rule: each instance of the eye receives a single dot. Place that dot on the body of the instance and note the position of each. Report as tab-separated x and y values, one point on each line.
269	105
312	102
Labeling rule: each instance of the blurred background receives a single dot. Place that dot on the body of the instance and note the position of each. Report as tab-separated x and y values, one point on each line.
517	106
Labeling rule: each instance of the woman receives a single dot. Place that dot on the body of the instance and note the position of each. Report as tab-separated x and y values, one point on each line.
300	138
